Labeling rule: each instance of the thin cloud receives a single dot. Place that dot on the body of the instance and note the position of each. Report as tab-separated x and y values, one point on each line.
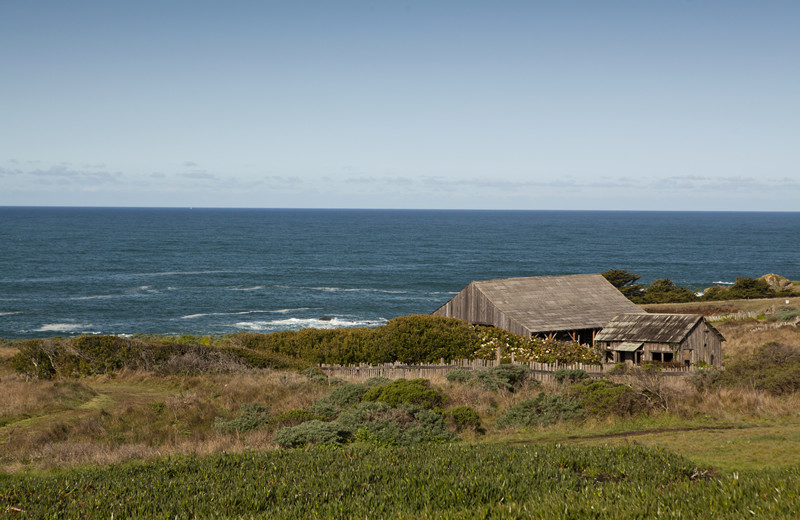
380	180
63	174
199	175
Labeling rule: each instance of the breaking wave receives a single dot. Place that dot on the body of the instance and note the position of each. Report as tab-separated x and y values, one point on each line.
306	323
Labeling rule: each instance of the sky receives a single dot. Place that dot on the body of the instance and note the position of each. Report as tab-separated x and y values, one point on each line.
607	105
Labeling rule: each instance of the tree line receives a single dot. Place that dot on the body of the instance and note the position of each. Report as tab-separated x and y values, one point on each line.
665	290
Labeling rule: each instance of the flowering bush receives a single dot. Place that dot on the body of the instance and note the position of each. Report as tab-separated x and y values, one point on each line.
535	349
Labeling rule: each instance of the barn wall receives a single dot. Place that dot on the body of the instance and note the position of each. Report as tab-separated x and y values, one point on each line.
472	305
706	344
701	345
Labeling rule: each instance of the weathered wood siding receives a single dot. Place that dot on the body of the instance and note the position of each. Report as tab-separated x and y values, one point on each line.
472	305
701	345
706	345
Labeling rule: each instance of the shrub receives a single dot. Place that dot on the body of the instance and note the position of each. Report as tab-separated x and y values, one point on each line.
565	375
427	339
315	375
376	381
325	410
465	418
294	417
542	410
415	391
773	367
460	375
251	417
404	425
346	395
603	397
504	377
786	313
705	378
311	433
531	349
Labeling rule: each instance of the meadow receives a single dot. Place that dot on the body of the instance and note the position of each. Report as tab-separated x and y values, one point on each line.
204	436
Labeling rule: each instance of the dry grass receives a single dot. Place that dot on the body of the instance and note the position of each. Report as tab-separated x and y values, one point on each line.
742	337
107	419
138	415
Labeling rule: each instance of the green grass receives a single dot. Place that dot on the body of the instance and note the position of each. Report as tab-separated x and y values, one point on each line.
439	481
728	446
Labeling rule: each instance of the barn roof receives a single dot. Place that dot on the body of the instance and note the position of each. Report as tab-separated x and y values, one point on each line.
654	328
557	303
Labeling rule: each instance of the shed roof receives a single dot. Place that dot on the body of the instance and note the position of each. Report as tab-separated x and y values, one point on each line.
653	328
629	346
557	303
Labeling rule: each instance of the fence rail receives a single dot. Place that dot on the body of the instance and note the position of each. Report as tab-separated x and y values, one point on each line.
541	371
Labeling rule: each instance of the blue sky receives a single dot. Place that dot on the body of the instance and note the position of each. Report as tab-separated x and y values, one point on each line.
645	104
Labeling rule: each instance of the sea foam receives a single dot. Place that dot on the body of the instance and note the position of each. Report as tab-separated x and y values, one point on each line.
62	327
306	323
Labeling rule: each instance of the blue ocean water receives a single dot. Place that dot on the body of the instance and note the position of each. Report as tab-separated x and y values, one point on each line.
67	271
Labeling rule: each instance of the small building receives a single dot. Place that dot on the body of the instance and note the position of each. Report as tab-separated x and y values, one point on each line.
568	307
643	338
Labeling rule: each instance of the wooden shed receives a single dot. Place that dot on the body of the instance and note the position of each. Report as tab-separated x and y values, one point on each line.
644	338
566	307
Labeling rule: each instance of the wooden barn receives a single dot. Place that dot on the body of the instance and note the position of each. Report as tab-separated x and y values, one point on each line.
643	338
572	307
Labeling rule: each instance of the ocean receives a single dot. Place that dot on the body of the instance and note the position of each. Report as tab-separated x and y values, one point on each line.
67	271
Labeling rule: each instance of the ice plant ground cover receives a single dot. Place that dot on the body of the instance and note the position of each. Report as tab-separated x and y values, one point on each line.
433	481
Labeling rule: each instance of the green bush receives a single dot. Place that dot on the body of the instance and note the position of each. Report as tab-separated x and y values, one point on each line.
377	381
415	391
293	418
427	339
465	418
408	339
252	416
459	375
372	423
603	397
786	313
404	425
311	433
504	377
346	395
705	378
542	410
773	367
91	355
568	375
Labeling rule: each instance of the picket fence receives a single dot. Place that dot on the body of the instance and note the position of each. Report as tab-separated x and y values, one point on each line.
541	371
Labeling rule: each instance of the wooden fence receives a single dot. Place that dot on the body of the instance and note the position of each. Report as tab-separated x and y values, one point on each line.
541	371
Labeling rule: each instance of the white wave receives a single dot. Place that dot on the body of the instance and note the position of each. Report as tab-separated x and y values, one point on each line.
306	323
358	289
287	311
200	315
98	297
723	283
254	288
62	327
275	311
9	313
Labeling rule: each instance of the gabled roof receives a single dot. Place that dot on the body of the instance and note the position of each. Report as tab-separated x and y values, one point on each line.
557	303
653	328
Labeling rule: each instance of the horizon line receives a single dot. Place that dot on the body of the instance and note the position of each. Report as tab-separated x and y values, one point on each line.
401	209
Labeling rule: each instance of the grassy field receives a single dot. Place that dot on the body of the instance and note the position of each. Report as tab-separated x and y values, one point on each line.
138	444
